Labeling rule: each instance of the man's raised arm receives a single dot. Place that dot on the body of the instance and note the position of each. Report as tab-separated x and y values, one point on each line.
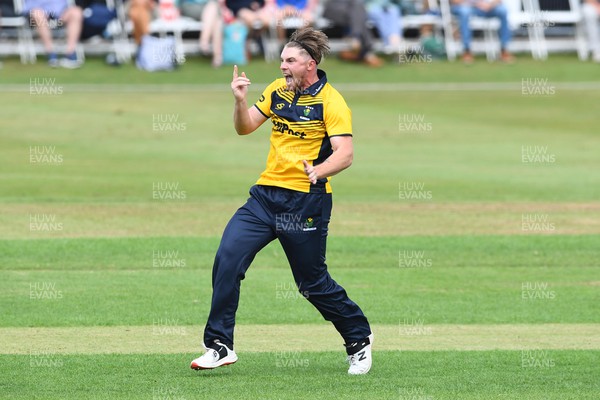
245	120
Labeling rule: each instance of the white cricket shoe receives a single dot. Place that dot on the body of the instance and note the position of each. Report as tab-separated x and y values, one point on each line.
215	358
360	362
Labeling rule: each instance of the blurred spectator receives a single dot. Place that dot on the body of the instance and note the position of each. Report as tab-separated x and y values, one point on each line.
41	12
141	13
254	13
96	16
386	16
352	15
211	36
591	15
464	9
303	9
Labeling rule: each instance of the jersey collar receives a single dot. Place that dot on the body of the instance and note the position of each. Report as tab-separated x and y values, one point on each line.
318	85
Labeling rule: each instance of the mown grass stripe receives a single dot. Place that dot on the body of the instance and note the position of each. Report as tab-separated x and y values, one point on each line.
166	339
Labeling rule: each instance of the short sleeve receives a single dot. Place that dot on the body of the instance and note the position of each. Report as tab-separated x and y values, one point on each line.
338	117
264	101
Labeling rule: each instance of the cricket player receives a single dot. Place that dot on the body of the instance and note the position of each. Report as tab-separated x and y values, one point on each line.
311	140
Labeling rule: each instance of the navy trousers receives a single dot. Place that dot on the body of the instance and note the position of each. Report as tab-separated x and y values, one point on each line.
299	221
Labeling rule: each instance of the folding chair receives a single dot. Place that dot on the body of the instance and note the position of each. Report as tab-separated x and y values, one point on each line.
25	45
118	33
521	13
489	27
572	16
177	27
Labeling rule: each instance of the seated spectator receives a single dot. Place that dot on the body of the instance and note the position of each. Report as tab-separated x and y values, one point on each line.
386	16
303	9
211	36
41	12
253	13
96	17
256	15
464	9
591	15
141	13
353	15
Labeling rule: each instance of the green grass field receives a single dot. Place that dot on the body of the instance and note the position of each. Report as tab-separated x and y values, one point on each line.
468	229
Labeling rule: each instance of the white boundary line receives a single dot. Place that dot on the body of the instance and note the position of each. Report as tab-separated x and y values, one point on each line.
345	87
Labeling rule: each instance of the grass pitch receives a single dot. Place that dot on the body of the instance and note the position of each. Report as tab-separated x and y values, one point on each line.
468	229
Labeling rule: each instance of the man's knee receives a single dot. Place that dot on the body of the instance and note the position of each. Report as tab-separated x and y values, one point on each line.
500	11
73	13
38	15
462	11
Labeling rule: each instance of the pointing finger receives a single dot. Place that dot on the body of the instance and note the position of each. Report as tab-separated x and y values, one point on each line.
235	72
306	165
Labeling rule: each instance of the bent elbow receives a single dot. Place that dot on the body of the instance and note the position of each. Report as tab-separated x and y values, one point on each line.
242	131
349	160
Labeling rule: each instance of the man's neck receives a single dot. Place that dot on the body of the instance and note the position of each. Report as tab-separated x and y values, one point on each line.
310	81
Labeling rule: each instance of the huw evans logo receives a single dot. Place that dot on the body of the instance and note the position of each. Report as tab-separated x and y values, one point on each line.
536	359
167	123
44	86
413	123
536	223
286	290
167	259
413	259
537	87
290	222
290	154
414	191
414	325
44	223
167	326
290	359
45	359
44	291
537	155
537	291
44	155
167	191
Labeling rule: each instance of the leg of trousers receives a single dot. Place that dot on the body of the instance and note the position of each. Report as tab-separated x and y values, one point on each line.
246	234
463	13
300	222
305	250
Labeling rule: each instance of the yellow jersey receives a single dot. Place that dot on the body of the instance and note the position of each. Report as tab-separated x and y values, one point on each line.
302	125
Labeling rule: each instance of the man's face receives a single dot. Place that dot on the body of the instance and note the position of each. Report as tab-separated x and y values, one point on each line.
295	65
